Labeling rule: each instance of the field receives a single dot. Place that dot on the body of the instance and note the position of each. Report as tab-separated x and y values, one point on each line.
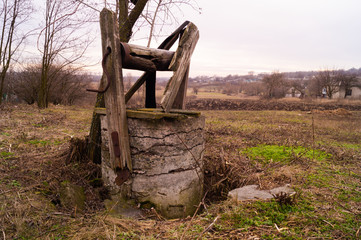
317	152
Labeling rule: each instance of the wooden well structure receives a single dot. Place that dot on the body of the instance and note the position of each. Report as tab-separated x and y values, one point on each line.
151	154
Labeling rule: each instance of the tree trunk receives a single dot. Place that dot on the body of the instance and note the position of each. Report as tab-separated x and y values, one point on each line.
2	79
43	91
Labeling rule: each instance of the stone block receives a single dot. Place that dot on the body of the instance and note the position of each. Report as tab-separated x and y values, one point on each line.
167	158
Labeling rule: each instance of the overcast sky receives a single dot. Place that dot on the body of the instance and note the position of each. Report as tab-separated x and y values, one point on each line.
238	36
275	35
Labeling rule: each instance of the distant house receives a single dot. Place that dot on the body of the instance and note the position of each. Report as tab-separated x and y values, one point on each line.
292	92
350	93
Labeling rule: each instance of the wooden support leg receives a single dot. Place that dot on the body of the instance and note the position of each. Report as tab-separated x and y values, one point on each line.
150	101
180	99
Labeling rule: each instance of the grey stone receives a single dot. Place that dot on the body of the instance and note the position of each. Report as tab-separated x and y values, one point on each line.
284	189
251	192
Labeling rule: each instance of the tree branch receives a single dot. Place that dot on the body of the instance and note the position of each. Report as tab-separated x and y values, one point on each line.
125	30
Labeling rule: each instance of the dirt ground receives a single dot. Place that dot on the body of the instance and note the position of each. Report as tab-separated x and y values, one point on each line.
283	104
318	152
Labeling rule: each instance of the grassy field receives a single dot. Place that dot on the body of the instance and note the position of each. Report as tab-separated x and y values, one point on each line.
317	153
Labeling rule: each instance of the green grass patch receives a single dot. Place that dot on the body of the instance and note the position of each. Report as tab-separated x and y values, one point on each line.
41	143
274	153
6	155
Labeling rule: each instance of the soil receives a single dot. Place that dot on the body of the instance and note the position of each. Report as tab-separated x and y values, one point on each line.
257	105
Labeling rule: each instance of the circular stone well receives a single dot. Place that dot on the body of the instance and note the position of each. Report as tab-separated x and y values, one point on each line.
167	158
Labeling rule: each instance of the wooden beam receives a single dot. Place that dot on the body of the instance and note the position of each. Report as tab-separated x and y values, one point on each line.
150	99
147	114
180	111
180	99
153	115
114	96
145	59
179	65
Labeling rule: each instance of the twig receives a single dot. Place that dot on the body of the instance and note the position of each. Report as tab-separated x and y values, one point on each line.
347	209
5	192
277	228
209	227
195	213
358	231
329	223
157	214
280	229
107	212
4	236
88	5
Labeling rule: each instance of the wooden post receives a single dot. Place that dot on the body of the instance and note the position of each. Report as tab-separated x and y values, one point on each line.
114	97
179	65
150	91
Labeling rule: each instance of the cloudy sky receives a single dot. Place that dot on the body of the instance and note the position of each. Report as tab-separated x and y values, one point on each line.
275	35
238	36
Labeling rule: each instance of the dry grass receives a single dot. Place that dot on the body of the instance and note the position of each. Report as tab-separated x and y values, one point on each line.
32	167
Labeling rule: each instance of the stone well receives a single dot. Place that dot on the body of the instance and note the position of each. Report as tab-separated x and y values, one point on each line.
167	158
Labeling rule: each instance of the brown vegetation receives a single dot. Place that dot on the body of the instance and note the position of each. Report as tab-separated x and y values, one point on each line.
34	145
256	105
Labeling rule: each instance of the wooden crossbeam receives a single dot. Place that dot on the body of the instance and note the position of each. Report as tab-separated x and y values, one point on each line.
154	113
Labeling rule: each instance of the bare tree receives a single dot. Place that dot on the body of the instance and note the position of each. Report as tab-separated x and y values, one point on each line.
329	79
61	41
299	85
13	14
252	88
26	83
67	85
159	13
275	85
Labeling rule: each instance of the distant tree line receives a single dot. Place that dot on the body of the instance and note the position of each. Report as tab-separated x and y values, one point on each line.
323	83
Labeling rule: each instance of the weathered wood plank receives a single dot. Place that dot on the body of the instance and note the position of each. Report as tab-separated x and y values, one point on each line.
154	113
180	99
179	65
180	111
114	96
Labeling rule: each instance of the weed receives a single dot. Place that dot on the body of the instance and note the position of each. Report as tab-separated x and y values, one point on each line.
38	143
5	155
284	154
15	183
